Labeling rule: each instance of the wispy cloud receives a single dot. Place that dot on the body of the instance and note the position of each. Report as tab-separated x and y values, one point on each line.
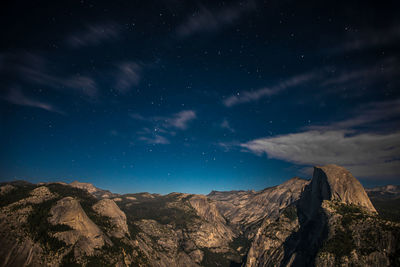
127	76
385	69
226	125
371	38
329	79
366	154
137	116
94	35
206	20
180	120
15	96
370	113
250	96
34	69
155	140
163	127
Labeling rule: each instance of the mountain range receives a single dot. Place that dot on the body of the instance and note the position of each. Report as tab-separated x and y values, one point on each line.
329	220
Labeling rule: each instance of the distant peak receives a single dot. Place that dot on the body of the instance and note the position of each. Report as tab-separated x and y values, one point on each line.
86	186
294	181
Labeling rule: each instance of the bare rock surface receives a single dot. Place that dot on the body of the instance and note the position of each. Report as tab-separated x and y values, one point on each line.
213	230
93	190
247	207
108	208
334	224
332	182
328	221
85	233
86	186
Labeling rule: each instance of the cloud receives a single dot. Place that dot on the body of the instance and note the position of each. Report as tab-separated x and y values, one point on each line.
94	35
128	75
207	20
34	69
84	84
366	154
137	116
180	120
328	79
15	96
384	69
371	113
226	125
163	127
228	146
250	96
367	39
155	140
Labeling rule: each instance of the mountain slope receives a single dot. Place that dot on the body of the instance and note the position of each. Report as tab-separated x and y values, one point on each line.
327	221
244	208
333	223
386	200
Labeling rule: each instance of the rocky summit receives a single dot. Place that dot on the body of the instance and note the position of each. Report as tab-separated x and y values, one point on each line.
329	220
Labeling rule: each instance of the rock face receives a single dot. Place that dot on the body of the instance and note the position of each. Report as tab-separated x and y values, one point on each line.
39	195
248	207
86	186
108	208
328	221
84	233
91	189
335	183
214	232
333	223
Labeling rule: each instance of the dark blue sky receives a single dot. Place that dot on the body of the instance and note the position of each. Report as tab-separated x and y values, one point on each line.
194	96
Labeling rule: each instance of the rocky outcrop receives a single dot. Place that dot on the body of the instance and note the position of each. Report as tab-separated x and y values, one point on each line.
162	245
214	232
267	248
85	186
85	234
91	189
24	253
108	208
334	224
335	183
245	208
17	249
39	195
328	221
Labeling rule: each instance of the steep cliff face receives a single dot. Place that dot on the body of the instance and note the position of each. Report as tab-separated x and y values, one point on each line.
335	183
245	208
334	223
179	229
328	221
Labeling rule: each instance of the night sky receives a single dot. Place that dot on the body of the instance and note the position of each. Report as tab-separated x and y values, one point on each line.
193	96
